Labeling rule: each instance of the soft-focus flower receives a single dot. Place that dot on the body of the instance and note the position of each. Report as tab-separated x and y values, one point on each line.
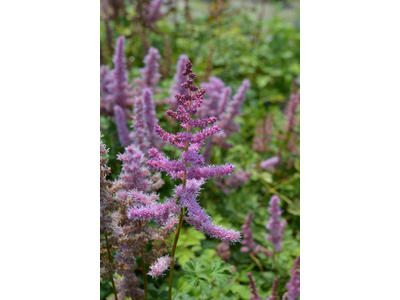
291	110
150	74
274	293
140	134
275	225
179	79
122	128
270	164
223	251
253	288
293	286
160	266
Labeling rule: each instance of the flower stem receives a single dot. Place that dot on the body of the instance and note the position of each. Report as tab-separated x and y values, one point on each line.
109	258
144	272
171	273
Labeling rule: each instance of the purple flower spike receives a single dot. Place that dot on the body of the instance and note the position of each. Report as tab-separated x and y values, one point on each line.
140	135
274	293
123	132
253	288
293	285
270	163
179	79
150	74
120	92
150	114
191	166
153	12
291	111
275	225
160	266
248	243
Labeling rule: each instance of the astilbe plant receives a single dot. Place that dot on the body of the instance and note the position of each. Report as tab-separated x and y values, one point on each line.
274	293
150	73
136	186
253	287
179	79
275	225
190	168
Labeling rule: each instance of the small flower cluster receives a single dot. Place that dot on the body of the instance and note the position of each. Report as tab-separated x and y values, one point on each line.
179	79
274	293
263	134
160	266
223	251
275	225
150	73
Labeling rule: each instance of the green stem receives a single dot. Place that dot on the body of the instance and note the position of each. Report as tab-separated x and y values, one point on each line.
179	290
171	273
109	258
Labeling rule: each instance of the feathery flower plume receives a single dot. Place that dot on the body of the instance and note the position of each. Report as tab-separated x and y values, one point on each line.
291	110
160	266
270	164
191	167
253	288
120	92
237	179
285	296
275	225
263	134
223	251
150	115
179	79
150	74
293	285
153	12
122	128
233	110
105	80
274	293
140	134
248	243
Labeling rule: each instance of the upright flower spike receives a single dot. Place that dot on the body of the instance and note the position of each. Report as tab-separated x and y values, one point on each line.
293	286
191	167
270	164
150	74
248	243
263	134
150	114
275	225
253	288
274	293
105	79
119	88
122	128
153	12
140	134
291	111
179	79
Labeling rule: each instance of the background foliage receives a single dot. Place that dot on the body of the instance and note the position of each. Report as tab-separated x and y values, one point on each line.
255	40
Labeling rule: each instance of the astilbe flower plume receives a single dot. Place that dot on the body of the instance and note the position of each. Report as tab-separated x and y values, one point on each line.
153	10
105	79
275	225
122	128
223	251
237	179
253	288
120	91
150	74
270	164
179	79
160	266
274	293
291	111
248	244
136	189
263	134
150	115
191	167
140	134
293	286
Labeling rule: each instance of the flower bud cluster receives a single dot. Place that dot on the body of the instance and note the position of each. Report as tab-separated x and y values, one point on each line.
275	225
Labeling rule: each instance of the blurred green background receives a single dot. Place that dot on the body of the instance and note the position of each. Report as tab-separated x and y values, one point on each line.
233	40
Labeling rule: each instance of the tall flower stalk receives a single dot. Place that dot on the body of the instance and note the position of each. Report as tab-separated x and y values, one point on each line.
190	168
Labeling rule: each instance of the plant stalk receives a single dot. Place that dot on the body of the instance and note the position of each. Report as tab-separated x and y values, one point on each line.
109	258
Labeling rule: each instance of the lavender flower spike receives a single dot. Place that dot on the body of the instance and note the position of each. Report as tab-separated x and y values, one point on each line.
179	79
123	132
150	113
253	288
270	163
119	88
275	225
160	266
150	74
191	167
140	135
274	293
293	285
248	243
